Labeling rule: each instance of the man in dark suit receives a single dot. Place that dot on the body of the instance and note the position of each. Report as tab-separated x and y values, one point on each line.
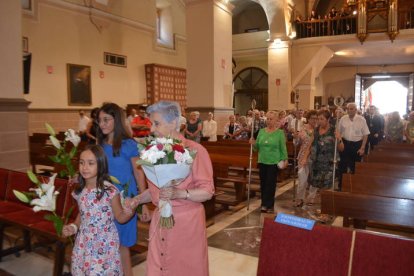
374	123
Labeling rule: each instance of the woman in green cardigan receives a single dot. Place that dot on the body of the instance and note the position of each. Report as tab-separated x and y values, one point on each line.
271	147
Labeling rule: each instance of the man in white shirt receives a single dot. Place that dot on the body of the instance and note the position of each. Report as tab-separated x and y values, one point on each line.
83	125
210	128
352	137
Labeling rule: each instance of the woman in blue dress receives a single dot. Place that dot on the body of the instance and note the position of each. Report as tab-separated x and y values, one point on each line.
122	152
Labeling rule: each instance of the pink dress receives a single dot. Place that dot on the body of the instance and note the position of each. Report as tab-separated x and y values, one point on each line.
182	250
96	250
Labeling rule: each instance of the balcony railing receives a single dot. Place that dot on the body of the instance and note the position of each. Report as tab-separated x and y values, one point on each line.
406	20
326	27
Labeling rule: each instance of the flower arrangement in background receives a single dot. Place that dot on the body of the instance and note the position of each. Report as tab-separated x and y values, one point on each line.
62	157
43	198
165	162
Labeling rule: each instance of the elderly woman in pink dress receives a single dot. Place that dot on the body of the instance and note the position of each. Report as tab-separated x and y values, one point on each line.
181	250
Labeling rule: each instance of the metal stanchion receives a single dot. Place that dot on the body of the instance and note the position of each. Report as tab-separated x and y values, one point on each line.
251	156
338	102
295	145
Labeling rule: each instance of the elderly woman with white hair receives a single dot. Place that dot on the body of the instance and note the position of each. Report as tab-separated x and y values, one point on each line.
181	250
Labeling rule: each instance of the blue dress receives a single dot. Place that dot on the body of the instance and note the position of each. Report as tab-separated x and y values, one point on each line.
121	168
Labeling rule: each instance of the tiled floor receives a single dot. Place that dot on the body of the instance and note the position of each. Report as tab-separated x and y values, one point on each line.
234	241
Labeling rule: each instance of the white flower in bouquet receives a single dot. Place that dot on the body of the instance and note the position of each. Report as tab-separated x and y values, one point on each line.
152	155
165	161
72	137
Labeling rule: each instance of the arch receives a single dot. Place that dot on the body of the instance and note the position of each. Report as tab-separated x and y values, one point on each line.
248	16
250	83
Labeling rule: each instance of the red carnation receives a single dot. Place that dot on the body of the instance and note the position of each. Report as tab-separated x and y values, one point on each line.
178	148
160	146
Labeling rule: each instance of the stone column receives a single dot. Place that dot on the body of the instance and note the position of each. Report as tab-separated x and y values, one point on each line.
14	149
279	75
209	58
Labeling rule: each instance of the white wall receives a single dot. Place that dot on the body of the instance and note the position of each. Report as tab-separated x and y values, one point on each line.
64	34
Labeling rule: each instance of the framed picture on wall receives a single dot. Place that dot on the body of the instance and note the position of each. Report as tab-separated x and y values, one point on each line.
79	84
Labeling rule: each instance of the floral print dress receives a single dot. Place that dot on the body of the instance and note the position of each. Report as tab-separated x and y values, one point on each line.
305	138
322	156
96	250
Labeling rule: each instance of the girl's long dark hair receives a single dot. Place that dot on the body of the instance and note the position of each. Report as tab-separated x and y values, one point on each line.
102	174
120	130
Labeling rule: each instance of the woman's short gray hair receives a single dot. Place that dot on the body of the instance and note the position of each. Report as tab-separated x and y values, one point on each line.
169	111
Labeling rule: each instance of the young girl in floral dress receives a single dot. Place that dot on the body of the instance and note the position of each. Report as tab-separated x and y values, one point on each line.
96	250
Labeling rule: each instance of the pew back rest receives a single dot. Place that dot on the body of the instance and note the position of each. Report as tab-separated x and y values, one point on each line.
17	181
4	174
391	159
368	207
326	250
322	251
378	254
378	185
384	169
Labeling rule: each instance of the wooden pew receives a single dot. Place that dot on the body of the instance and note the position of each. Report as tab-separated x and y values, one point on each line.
392	154
390	159
384	169
369	207
365	198
327	250
230	161
393	146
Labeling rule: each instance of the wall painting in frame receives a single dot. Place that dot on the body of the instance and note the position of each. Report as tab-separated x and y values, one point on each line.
79	84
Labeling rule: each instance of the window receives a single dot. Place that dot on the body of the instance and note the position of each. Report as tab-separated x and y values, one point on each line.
164	24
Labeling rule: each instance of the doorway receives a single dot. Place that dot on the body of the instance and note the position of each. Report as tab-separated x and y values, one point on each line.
250	84
387	96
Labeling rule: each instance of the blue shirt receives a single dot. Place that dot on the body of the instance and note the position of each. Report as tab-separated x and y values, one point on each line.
121	167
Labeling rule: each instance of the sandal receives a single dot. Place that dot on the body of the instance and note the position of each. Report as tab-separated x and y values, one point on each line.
263	209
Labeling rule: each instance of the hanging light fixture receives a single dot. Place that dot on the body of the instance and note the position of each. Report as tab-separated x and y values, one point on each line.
393	19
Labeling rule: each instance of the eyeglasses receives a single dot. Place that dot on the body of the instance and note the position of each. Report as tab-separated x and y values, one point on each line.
105	120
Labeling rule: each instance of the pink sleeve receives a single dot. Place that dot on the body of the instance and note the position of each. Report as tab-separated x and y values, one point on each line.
202	171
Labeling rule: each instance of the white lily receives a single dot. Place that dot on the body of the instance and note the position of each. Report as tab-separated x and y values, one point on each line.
55	142
47	202
45	187
47	196
72	137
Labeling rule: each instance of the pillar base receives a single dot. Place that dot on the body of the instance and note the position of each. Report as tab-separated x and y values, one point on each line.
14	138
